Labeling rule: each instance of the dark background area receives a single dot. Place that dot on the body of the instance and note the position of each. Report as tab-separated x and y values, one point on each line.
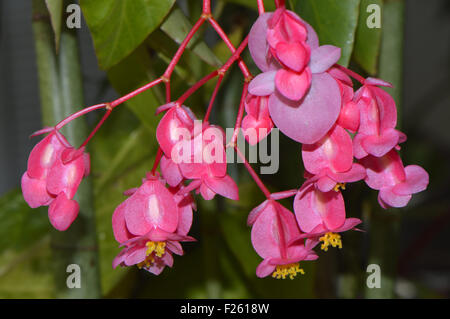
425	119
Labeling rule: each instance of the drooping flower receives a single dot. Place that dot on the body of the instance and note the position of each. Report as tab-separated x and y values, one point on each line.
203	160
150	225
331	160
273	228
54	172
321	215
256	124
376	133
395	183
304	99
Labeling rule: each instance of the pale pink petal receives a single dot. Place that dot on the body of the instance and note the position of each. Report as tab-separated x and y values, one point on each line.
35	191
263	84
416	181
224	186
324	57
308	121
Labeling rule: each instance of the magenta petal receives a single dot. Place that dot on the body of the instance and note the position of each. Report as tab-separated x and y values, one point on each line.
293	55
392	199
350	223
416	181
263	84
257	42
356	173
377	82
324	57
62	212
121	233
292	85
255	212
135	255
224	186
379	145
326	184
35	191
308	121
170	171
264	269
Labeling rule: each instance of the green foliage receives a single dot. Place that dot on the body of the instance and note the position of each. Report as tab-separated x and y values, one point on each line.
367	42
120	26
55	9
335	22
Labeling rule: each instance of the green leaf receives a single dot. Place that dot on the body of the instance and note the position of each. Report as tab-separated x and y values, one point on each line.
335	22
120	26
177	26
367	41
55	9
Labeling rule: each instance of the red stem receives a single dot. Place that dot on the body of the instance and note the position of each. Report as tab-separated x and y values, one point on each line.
135	92
213	98
97	127
240	115
261	7
206	7
230	45
279	3
80	113
196	86
354	75
252	172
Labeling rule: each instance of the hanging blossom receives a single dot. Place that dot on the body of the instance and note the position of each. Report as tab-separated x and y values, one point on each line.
54	172
150	225
346	137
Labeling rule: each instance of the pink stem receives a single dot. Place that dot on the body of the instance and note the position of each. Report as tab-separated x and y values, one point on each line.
228	43
252	172
80	113
97	127
213	97
196	86
261	7
279	3
354	75
206	7
240	115
135	92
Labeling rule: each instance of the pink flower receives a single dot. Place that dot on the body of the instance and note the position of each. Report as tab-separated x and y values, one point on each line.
206	165
273	227
322	214
150	225
349	115
55	170
304	100
257	124
376	134
395	183
331	160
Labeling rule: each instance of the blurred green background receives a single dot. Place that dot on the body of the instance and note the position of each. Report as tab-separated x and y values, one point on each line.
49	71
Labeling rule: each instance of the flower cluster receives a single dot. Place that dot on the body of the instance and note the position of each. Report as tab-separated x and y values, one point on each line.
55	170
347	135
311	100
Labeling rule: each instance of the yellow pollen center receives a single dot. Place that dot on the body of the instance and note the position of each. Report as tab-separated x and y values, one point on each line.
339	186
153	249
290	270
332	239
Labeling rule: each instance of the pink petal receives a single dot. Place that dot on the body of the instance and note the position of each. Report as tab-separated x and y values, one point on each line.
416	181
308	121
65	177
293	55
62	212
379	145
263	84
393	200
35	191
292	85
224	186
264	269
324	57
377	82
121	233
170	171
257	43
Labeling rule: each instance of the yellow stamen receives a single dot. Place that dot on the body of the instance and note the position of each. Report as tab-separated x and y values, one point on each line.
339	186
157	249
290	270
332	239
